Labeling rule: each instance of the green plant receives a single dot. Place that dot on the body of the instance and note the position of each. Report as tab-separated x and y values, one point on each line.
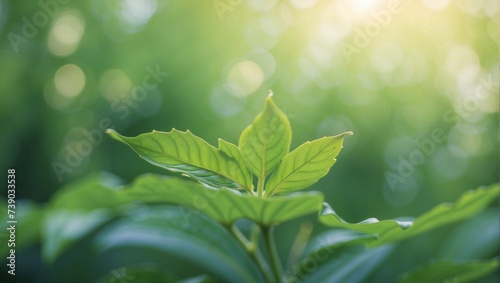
262	154
200	223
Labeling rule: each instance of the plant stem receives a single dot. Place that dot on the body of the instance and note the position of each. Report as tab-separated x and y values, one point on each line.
273	254
260	185
250	191
299	244
252	249
240	237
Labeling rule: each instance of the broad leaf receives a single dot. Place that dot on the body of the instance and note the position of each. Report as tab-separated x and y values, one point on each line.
95	191
197	240
267	140
62	228
148	273
136	274
224	205
479	245
447	271
469	204
78	209
345	264
305	165
188	154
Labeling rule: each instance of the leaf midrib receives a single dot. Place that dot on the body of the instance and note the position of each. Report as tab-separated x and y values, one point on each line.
295	170
190	163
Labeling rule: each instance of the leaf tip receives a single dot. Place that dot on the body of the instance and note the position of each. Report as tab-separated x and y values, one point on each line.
110	131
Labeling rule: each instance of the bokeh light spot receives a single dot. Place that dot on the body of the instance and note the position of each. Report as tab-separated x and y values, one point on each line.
401	194
69	80
136	13
436	4
261	5
448	165
114	84
66	33
227	99
303	4
55	99
247	75
264	59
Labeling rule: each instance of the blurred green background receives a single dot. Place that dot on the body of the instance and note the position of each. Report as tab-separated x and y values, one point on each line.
393	72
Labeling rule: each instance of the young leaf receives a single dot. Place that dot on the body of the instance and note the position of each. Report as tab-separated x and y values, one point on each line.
188	154
305	165
266	141
449	271
233	152
470	203
224	206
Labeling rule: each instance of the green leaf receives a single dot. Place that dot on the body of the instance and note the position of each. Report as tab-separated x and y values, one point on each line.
148	273
94	191
223	205
447	271
78	209
479	245
305	165
136	274
197	239
345	264
329	240
266	141
62	228
188	154
470	203
232	151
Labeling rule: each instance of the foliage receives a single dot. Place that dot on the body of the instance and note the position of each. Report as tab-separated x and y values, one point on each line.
71	69
201	225
263	150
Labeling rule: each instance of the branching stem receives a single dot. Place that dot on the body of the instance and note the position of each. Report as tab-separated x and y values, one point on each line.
252	249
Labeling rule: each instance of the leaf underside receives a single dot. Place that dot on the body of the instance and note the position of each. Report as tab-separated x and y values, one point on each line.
190	155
